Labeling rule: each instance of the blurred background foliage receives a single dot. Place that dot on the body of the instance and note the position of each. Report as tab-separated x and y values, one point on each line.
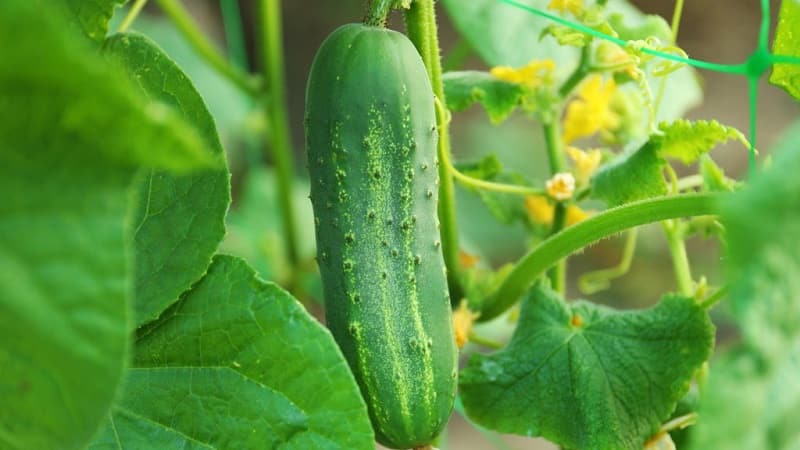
708	31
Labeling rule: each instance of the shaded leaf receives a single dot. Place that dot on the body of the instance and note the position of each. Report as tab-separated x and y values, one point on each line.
787	42
753	394
748	404
93	15
238	364
763	223
179	220
588	377
630	177
64	253
499	98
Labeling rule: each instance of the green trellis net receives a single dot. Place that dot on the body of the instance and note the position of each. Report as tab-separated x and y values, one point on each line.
753	68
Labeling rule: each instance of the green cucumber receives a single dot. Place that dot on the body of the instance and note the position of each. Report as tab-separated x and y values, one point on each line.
371	140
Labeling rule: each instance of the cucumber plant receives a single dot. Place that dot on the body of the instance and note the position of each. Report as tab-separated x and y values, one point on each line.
136	312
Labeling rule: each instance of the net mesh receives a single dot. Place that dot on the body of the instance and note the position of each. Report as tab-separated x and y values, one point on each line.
753	68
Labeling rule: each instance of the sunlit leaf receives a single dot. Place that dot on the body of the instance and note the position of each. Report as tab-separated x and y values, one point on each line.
588	377
237	364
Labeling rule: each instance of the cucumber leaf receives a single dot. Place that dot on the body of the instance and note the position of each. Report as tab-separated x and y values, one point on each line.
638	175
753	394
630	177
93	15
237	363
787	42
762	224
64	251
179	219
499	98
686	140
585	376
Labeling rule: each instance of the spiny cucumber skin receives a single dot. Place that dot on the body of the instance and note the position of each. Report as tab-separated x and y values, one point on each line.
371	141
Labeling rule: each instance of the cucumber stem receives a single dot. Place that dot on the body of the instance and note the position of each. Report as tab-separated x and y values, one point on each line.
271	47
421	29
531	266
377	11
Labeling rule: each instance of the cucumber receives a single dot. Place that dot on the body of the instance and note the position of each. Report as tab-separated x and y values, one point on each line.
371	141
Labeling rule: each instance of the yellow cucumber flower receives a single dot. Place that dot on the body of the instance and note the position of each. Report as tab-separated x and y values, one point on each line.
539	209
591	111
562	6
532	75
585	163
463	319
575	214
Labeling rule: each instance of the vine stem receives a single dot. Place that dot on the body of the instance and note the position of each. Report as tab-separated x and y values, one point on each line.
183	21
677	13
133	13
680	260
271	47
377	11
587	232
422	31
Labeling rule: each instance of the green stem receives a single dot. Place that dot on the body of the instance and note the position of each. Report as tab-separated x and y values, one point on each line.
555	150
680	260
203	46
677	13
234	34
555	153
271	47
715	297
377	11
421	29
486	342
599	280
584	68
584	233
132	15
558	273
477	183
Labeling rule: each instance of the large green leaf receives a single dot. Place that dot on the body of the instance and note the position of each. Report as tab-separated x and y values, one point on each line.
753	394
748	404
787	42
499	98
72	136
588	377
763	225
179	219
238	364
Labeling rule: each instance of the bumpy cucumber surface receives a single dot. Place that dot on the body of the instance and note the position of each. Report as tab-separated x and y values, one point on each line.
371	140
